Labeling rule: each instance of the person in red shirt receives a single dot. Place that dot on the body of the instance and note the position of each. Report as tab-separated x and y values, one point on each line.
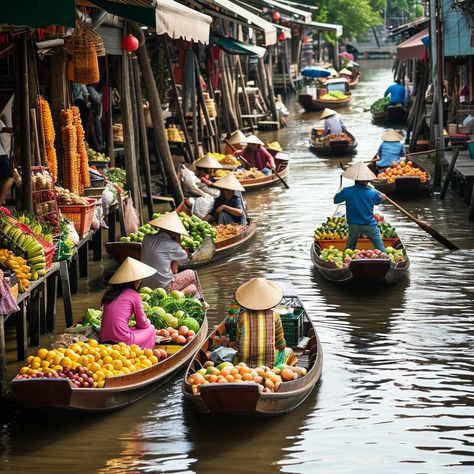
256	155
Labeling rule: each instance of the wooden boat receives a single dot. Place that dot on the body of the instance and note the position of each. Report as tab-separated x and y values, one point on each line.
377	269
245	398
353	83
118	391
393	114
312	101
331	147
403	184
282	168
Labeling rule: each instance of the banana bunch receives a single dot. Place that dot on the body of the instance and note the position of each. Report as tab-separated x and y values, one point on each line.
36	227
19	266
33	249
335	228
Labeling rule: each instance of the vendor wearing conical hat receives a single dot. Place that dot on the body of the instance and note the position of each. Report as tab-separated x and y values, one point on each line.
206	167
229	206
360	200
257	156
121	302
164	253
390	150
235	143
345	74
260	340
332	122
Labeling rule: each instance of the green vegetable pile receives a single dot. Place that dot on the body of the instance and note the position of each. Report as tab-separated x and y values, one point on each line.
116	176
142	231
337	94
380	105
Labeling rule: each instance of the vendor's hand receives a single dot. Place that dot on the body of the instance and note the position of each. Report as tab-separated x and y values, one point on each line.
220	209
382	195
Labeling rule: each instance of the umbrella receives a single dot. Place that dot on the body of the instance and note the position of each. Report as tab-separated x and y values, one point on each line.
315	72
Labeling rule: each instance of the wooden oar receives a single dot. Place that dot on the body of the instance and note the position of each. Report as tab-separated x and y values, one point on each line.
427	228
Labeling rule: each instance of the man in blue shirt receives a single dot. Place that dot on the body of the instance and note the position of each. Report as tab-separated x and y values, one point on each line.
391	150
397	93
360	200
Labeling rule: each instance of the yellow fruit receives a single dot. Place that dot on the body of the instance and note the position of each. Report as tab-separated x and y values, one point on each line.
93	343
115	354
37	359
153	359
50	356
108	367
108	360
117	372
44	364
35	365
125	371
66	362
132	368
126	363
31	371
147	363
94	367
23	370
101	384
117	364
57	359
147	352
42	353
76	348
29	359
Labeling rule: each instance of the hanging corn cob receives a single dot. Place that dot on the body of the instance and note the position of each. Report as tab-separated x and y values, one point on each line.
69	140
83	171
49	136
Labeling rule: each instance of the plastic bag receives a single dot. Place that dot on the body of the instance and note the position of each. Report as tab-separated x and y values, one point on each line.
130	217
223	354
73	235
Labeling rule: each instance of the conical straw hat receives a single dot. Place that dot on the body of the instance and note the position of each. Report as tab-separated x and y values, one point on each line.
275	146
359	172
131	270
253	140
327	113
208	162
171	222
391	136
229	181
346	72
237	137
332	71
259	294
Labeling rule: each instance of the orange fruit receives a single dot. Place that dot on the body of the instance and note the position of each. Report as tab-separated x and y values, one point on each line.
229	378
212	378
247	377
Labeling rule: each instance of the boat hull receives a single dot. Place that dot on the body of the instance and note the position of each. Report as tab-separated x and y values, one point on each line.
393	114
310	104
265	181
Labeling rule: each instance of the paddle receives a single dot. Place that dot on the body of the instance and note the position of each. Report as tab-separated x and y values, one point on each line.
427	228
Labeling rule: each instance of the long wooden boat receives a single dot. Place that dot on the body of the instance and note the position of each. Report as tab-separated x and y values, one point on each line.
282	168
331	147
118	391
245	398
119	251
408	185
313	104
377	269
393	115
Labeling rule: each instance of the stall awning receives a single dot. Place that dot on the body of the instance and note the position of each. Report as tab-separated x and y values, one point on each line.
315	25
39	14
414	47
168	16
272	5
233	46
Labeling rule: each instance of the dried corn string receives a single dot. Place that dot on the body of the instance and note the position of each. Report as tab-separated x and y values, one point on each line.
69	140
83	163
49	136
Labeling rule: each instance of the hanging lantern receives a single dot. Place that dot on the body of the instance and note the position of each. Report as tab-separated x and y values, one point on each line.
130	43
281	36
276	16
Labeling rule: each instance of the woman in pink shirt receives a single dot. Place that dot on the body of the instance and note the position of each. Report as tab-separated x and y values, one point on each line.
121	301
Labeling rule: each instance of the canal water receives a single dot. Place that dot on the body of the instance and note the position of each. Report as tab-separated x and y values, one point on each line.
396	393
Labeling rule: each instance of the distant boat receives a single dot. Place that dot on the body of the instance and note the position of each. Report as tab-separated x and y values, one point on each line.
313	100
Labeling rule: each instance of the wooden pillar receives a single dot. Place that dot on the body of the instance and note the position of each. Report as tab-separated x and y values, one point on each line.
159	131
226	97
271	93
245	96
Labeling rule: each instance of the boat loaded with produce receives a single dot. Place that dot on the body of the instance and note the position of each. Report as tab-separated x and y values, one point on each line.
236	388
336	263
333	93
79	373
385	113
334	144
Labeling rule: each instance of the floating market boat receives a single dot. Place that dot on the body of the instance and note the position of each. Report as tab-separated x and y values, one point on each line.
118	391
374	269
333	93
353	83
384	113
246	398
334	144
408	185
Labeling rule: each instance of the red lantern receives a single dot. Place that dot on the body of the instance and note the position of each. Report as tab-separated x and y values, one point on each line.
281	36
130	43
276	16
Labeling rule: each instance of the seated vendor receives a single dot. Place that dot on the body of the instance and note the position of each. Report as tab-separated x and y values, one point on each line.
228	207
206	168
164	253
257	156
345	74
390	151
332	122
235	143
122	301
260	340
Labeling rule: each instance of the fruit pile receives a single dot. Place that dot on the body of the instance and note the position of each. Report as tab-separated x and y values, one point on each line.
69	198
142	231
402	169
336	228
17	265
174	135
36	226
182	335
227	231
343	258
338	137
252	173
224	159
268	380
380	105
93	155
221	173
334	95
90	361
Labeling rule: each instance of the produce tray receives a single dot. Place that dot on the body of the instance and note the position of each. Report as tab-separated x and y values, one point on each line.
292	326
170	348
362	244
80	215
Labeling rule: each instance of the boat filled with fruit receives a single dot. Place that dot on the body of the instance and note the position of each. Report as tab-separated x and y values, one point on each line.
406	177
83	374
335	144
333	93
208	243
237	389
336	263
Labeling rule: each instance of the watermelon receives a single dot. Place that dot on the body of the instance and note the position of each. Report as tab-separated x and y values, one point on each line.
191	324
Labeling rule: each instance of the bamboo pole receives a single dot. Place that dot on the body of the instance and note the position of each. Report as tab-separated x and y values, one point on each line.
271	93
244	91
226	98
143	136
159	131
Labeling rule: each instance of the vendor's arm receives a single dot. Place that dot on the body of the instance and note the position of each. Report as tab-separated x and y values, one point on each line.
140	317
389	89
269	159
236	210
280	343
177	254
339	197
326	128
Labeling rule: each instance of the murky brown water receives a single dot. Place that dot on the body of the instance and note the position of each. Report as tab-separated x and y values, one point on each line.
396	393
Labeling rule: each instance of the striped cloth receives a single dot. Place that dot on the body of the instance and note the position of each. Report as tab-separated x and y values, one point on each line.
259	334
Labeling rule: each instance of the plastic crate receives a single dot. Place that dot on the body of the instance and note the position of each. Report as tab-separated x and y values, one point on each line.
80	215
292	327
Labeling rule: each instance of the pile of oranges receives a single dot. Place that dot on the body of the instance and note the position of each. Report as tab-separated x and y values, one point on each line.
402	169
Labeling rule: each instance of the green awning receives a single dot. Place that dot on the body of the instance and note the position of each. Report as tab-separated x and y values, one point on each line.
38	14
143	15
233	46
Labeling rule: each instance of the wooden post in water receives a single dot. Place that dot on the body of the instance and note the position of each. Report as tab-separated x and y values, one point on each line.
245	96
226	97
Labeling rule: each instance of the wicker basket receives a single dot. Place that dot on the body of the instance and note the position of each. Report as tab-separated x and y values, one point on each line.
80	215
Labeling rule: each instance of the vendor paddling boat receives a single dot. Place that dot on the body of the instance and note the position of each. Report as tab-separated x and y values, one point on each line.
333	93
385	113
248	398
333	144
